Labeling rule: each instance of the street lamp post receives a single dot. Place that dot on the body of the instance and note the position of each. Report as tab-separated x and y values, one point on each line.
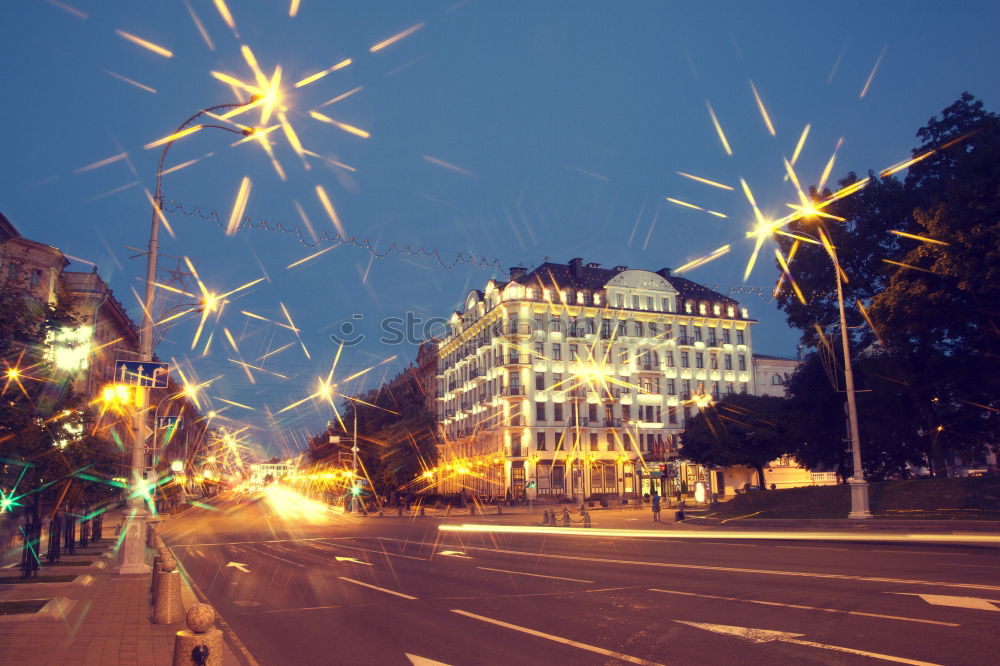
859	487
131	559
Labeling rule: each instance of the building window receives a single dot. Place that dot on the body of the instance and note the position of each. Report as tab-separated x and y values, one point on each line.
592	412
540	440
687	414
649	302
740	336
635	302
672	415
626	412
699	360
620	300
743	388
593	441
670	359
556	351
742	362
730	312
558	446
686	389
539	411
558	412
776	380
684	360
729	361
715	389
539	324
697	333
540	349
597	299
539	381
725	336
671	387
574	353
36	277
713	361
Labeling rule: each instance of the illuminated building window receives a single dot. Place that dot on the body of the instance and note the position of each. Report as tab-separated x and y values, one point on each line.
593	441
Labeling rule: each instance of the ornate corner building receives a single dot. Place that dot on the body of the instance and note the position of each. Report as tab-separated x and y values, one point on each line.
577	380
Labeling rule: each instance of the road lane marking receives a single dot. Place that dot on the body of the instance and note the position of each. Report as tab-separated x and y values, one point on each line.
239	565
978	566
423	661
558	639
454	553
353	559
366	550
705	567
376	587
975	603
813	548
293	610
767	635
267	554
525	573
800	607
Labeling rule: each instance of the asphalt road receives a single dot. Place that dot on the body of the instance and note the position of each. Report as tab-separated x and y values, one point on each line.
299	586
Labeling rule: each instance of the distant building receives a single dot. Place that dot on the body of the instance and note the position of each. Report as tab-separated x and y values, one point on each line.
771	374
32	265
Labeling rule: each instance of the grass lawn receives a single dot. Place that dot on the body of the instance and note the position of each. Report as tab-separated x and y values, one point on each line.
971	498
55	578
19	607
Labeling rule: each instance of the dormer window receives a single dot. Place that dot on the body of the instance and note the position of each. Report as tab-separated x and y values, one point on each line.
730	311
529	293
687	308
702	309
716	309
597	298
580	297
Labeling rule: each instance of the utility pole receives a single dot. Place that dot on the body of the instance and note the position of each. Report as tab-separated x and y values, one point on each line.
354	479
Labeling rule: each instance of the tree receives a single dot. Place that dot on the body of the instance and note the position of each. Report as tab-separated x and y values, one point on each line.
44	456
742	429
922	256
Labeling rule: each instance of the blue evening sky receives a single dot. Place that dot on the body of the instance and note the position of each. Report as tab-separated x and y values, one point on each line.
515	130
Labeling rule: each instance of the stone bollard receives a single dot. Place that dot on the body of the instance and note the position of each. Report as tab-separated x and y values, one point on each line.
447	511
499	509
157	568
586	519
422	510
399	510
545	517
167	609
201	642
565	517
472	509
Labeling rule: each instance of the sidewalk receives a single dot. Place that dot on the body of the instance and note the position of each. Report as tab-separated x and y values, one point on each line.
107	621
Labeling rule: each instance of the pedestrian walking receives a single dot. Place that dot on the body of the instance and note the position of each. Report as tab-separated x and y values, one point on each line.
655	499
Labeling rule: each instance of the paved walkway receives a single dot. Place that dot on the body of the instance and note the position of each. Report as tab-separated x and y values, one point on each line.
108	623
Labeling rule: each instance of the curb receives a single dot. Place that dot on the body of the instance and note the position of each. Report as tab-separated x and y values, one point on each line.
942	526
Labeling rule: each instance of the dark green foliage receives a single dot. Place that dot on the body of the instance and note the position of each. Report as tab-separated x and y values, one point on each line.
745	430
396	434
931	359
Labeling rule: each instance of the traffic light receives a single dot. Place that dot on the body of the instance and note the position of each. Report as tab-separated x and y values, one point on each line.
531	484
356	489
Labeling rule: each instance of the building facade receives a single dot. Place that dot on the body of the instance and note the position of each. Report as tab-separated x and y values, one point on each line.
771	374
575	380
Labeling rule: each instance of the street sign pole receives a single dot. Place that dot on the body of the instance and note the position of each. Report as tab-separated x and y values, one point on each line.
354	450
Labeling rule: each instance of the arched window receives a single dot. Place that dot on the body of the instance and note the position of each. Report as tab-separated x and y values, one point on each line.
777	380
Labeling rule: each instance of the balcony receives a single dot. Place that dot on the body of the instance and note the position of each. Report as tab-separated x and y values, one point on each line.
520	329
516	359
512	391
518	451
612	423
466	405
685	340
452	385
583	422
712	342
578	393
476	373
647	367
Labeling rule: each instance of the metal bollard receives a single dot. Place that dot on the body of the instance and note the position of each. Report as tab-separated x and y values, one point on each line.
201	643
422	510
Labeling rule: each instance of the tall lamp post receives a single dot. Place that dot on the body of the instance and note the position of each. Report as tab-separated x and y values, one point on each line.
131	556
859	487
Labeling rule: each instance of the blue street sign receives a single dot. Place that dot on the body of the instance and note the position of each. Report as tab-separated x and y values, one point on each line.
164	422
137	373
